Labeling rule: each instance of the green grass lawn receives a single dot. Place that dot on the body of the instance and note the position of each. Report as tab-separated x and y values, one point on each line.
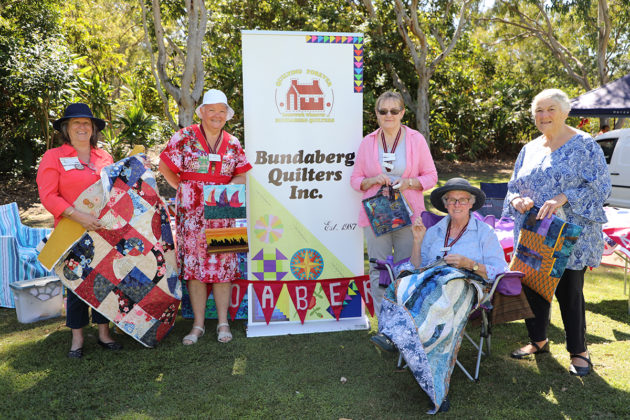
299	376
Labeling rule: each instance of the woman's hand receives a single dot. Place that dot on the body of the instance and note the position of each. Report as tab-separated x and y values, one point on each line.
522	204
418	229
380	179
407	184
551	206
86	220
458	261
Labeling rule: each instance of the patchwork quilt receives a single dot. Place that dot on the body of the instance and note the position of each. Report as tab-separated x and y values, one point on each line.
425	315
542	252
126	271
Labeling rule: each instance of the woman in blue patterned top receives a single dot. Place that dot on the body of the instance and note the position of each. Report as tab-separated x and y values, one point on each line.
563	172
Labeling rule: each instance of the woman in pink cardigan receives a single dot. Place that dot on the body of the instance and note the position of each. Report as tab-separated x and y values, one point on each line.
397	155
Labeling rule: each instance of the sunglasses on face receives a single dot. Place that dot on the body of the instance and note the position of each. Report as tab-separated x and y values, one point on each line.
393	111
453	201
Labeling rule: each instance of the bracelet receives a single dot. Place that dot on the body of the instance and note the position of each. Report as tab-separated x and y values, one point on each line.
71	211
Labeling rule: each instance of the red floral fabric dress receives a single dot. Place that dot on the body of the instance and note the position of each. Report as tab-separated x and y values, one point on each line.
182	155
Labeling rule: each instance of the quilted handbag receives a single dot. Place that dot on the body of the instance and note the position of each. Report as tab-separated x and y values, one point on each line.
542	252
387	213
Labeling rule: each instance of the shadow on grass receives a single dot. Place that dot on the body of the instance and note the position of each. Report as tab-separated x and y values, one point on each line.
614	309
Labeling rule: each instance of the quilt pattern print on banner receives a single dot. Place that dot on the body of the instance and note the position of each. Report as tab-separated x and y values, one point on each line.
126	271
542	252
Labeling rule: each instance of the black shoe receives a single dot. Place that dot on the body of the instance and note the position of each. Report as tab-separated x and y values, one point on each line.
114	346
76	354
520	354
580	370
446	405
383	342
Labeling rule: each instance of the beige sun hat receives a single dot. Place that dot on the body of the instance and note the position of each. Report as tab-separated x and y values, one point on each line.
215	96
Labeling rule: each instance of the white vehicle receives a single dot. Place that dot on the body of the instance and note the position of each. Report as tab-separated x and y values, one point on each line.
616	147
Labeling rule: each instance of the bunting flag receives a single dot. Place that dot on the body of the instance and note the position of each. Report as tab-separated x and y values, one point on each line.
238	292
336	294
365	290
267	293
301	296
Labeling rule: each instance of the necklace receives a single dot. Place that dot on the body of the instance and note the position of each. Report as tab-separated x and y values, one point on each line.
390	157
213	151
447	246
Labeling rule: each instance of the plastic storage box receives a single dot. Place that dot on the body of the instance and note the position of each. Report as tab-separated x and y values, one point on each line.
37	299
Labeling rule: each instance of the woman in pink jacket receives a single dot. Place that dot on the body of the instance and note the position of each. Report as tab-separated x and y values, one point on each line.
392	155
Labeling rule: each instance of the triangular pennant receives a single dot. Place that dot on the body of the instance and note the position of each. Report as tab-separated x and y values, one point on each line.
308	38
314	38
365	290
358	82
358	51
358	89
301	293
320	38
344	39
359	40
358	77
337	39
326	38
358	71
237	294
267	293
336	292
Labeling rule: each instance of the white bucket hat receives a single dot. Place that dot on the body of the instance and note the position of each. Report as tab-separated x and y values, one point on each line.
215	96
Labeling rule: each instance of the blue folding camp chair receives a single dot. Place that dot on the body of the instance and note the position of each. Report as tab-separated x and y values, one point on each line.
495	194
18	253
508	283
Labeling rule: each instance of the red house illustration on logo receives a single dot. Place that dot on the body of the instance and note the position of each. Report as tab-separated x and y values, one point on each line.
306	97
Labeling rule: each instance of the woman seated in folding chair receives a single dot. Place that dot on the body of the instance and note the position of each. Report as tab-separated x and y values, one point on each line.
455	260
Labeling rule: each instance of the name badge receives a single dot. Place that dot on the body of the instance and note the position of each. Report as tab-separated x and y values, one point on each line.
203	164
389	157
388	165
445	249
70	163
214	157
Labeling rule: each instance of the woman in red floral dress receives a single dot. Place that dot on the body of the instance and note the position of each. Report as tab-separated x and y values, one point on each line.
198	155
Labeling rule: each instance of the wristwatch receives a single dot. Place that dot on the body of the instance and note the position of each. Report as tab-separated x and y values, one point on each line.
475	266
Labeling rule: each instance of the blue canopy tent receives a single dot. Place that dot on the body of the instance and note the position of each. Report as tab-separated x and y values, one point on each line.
609	101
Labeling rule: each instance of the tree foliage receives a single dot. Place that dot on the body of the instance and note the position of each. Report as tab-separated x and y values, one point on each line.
467	75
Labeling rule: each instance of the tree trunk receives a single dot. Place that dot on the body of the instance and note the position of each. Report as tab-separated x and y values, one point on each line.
423	109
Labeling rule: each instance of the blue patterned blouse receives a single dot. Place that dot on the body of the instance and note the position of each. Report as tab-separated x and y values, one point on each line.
577	169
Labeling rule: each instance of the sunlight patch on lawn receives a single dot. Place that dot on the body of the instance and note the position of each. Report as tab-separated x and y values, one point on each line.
239	366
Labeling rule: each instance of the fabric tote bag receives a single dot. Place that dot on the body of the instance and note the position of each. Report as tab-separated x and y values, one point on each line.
387	213
542	252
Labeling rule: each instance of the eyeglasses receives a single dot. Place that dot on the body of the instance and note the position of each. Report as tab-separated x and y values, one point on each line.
453	201
393	111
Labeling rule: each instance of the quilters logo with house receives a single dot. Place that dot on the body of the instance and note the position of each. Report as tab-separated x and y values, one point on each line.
305	96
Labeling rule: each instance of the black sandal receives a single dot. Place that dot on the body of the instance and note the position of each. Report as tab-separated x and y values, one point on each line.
113	345
520	354
76	354
580	370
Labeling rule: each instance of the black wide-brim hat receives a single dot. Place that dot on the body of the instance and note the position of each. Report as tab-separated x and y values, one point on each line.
457	184
78	110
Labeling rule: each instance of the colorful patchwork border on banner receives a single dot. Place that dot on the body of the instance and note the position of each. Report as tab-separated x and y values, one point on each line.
358	53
